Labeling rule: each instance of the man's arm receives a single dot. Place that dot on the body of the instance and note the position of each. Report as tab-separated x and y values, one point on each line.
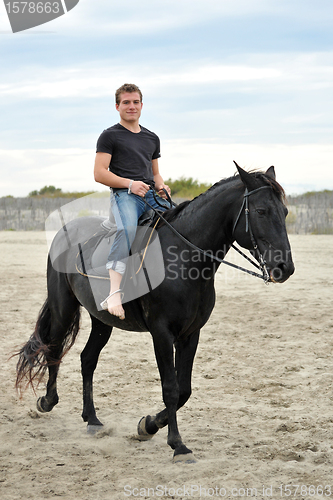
103	175
159	182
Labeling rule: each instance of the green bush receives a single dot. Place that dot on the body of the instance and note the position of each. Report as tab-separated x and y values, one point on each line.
180	188
186	187
53	192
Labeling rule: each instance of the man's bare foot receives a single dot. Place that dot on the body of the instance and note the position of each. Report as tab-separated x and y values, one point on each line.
113	304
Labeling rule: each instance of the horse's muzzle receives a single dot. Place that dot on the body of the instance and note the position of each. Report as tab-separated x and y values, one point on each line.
281	272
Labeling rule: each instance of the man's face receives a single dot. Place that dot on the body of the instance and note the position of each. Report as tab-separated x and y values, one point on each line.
130	106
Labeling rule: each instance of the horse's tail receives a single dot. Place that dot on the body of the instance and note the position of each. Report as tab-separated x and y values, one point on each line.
36	355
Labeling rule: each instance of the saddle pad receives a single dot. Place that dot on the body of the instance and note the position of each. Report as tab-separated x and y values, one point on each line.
144	267
83	246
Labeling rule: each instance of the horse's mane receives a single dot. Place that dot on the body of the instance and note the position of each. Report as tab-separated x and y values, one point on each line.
172	213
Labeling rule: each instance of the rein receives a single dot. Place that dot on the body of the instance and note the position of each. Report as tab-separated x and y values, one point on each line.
262	265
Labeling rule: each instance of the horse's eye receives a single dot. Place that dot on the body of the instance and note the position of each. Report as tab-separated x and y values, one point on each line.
261	211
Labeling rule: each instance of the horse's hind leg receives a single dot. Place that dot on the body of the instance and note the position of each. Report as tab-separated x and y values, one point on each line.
47	402
63	329
99	336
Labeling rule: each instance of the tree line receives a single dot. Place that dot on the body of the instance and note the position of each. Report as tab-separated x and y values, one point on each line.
181	188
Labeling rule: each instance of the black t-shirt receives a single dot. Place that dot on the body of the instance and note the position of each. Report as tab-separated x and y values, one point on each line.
132	153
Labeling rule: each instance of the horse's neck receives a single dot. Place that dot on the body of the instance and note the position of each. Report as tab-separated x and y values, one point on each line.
206	221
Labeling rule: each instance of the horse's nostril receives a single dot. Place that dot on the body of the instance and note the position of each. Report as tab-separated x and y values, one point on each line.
283	267
282	271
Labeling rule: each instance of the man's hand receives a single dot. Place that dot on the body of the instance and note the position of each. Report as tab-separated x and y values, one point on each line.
139	188
160	191
159	185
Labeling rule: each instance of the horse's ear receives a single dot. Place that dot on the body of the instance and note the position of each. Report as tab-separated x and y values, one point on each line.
271	172
247	179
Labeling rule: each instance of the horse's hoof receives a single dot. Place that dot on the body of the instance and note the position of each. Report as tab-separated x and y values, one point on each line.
143	435
183	454
40	405
93	429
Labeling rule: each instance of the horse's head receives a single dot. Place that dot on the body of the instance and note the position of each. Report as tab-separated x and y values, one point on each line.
260	226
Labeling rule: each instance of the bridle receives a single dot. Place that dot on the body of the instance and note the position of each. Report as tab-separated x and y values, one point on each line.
245	205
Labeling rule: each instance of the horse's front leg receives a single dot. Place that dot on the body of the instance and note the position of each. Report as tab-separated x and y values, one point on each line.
172	397
185	352
99	336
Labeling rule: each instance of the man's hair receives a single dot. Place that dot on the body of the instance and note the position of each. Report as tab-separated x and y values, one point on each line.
127	87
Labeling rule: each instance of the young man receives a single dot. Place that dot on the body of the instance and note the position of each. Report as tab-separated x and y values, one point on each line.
127	162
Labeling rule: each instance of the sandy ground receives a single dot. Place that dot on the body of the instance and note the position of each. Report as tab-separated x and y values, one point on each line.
260	416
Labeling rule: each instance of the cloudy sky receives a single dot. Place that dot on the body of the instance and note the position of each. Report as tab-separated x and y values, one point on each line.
244	80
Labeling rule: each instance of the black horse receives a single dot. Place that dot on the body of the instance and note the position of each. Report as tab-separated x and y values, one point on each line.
248	208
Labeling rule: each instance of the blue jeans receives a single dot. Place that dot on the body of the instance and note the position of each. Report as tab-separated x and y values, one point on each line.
127	209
